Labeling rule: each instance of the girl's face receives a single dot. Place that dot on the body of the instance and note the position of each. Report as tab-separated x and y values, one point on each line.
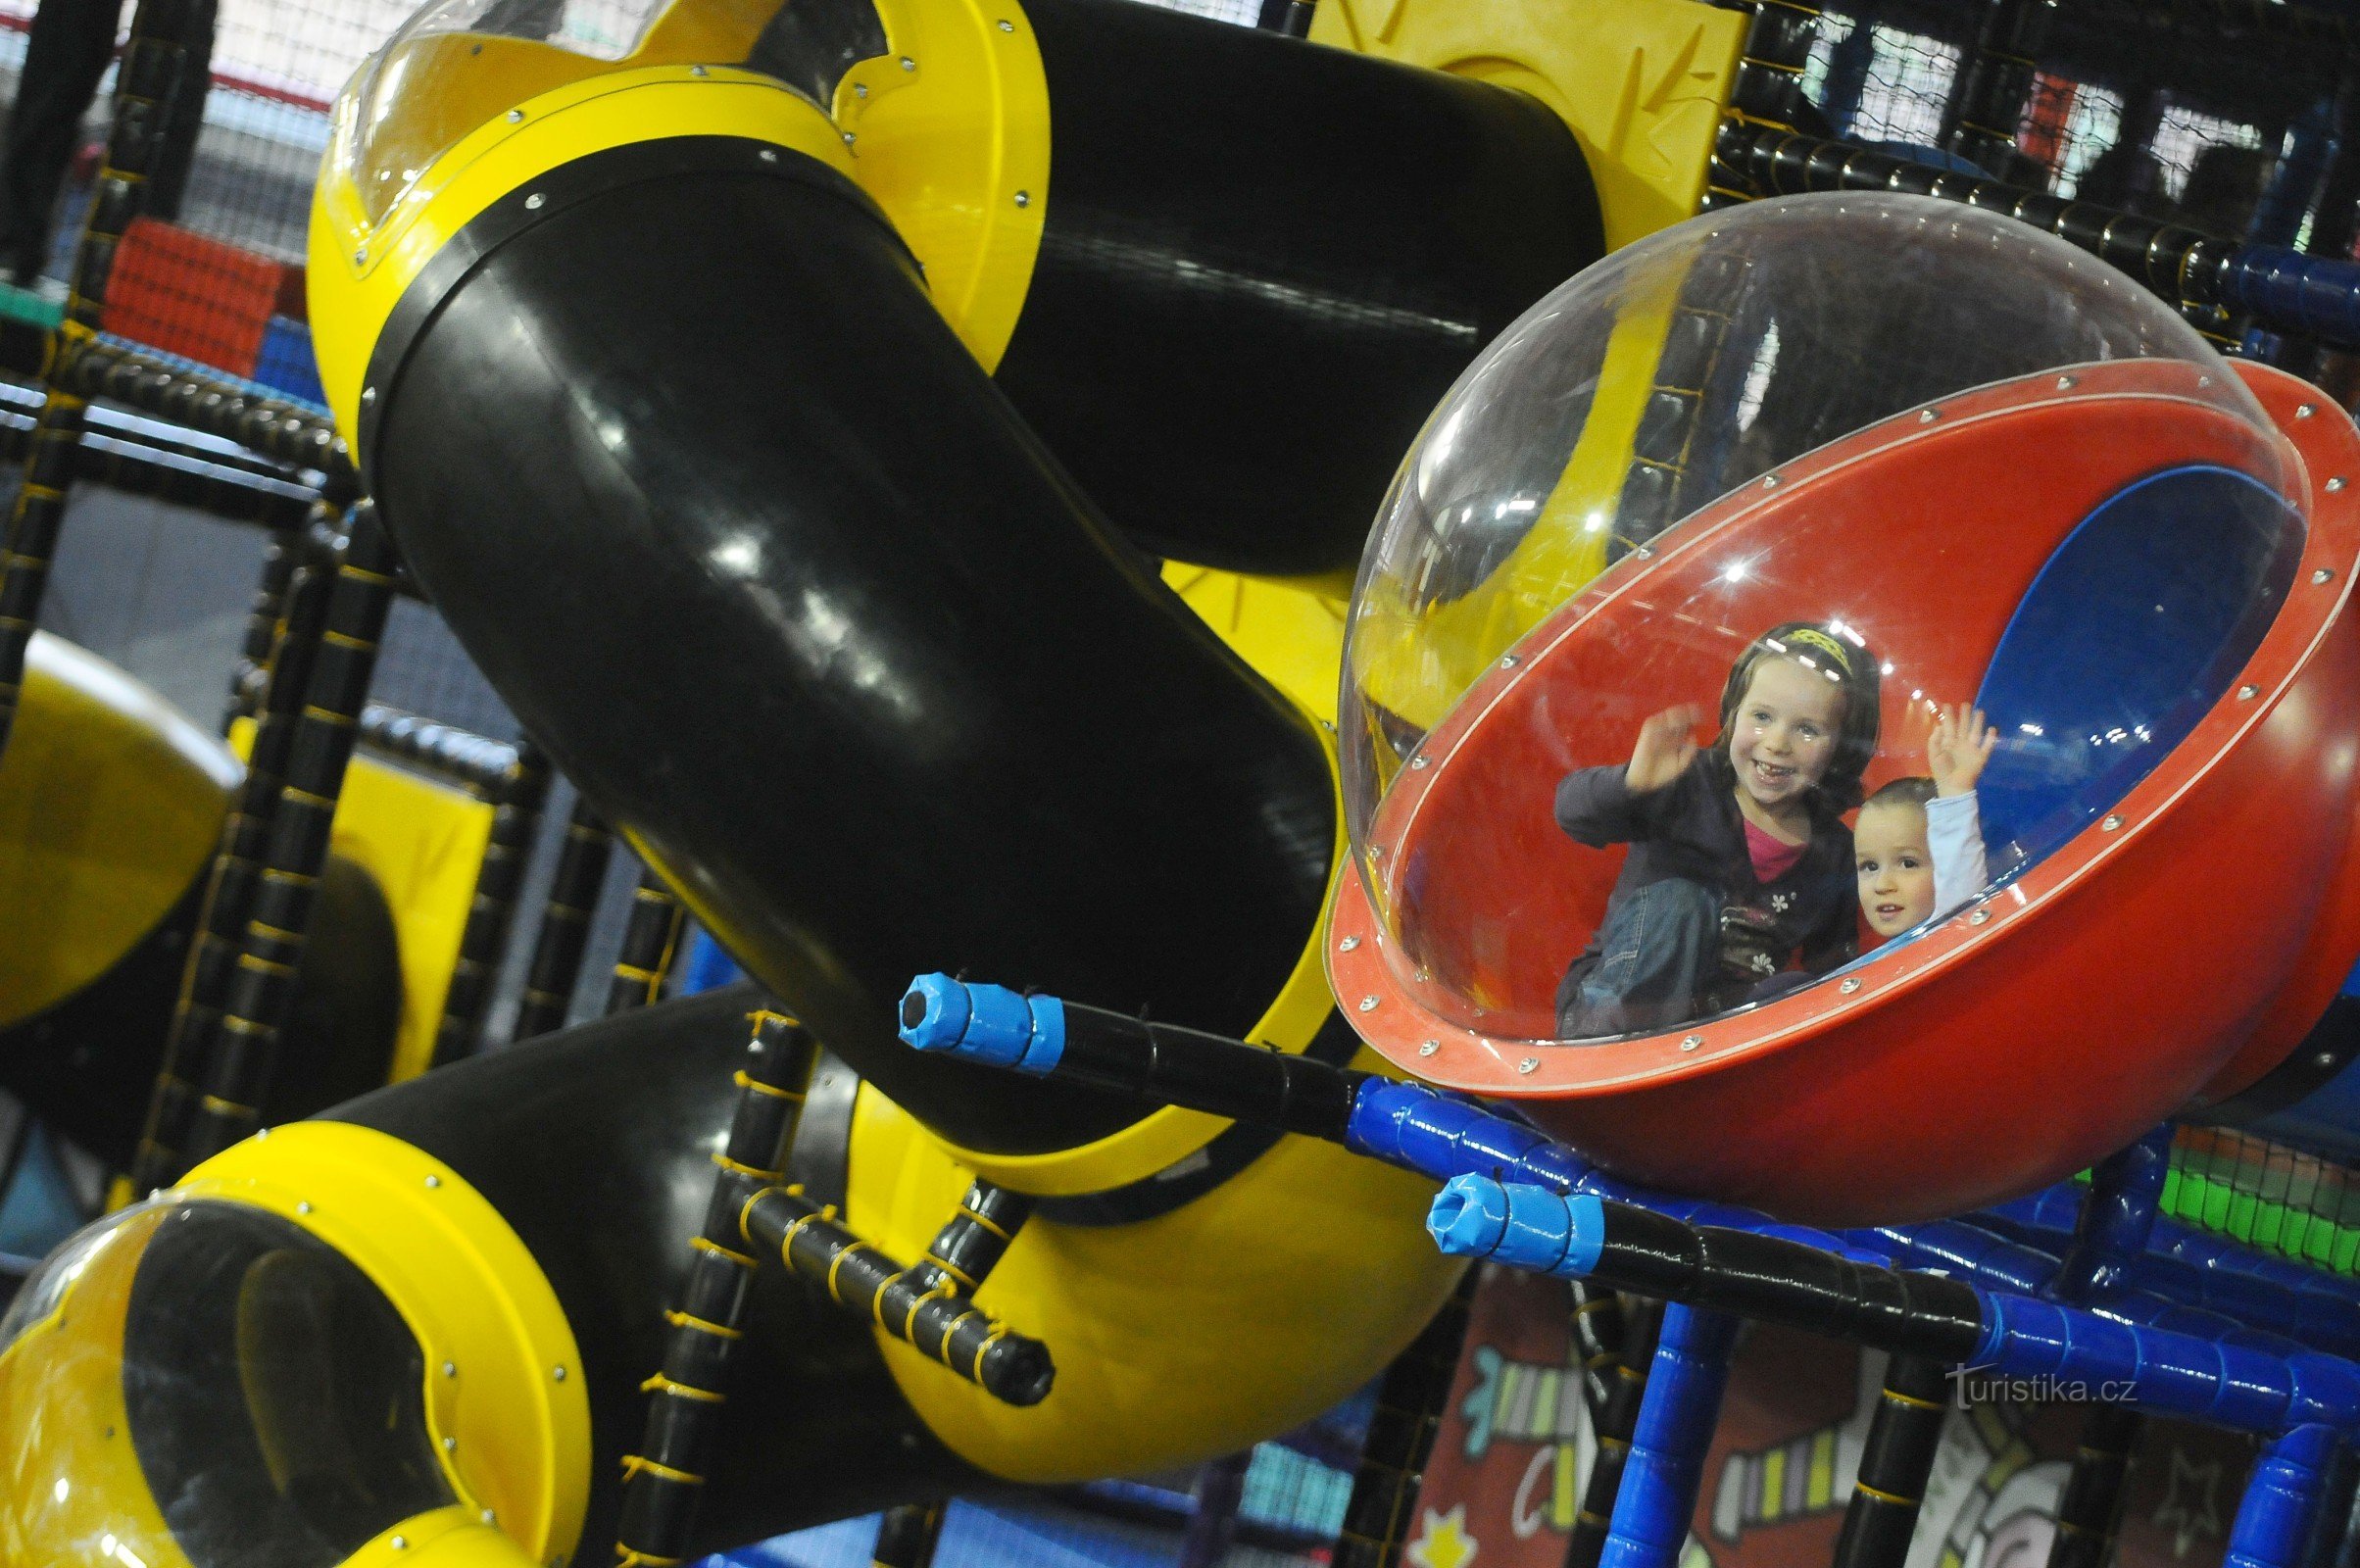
1783	733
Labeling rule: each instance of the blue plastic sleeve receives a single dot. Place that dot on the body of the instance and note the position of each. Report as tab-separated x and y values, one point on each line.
2281	1497
1522	1226
990	1025
2315	294
1676	1417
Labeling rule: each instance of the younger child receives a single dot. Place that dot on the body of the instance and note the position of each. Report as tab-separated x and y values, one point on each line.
1738	852
1918	842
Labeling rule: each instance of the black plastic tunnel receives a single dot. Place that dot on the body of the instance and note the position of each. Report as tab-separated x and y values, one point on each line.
752	544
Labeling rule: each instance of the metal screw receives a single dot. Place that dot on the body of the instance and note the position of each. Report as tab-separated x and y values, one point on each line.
359	254
1692	1042
1769	481
488	1517
2204	380
450	1369
1528	1064
1024	198
2305	410
1645	551
557	1372
860	89
1418	762
770	155
369	394
697	71
2323	574
516	117
1369	1004
1926	416
262	1134
532	203
2335	485
1507	661
1979	917
2064	383
849	138
304	1207
908	63
1849	987
1429	1048
1347	943
2111	822
399	1543
434	1180
450	1445
2246	694
1007	26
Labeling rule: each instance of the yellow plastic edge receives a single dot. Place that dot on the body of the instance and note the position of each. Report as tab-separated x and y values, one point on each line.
1641	83
955	148
446	1538
354	287
504	1376
1164	1137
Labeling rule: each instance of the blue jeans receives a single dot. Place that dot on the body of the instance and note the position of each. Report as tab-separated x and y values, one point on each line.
1659	947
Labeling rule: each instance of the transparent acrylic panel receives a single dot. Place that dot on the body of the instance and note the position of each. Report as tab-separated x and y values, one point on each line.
1776	488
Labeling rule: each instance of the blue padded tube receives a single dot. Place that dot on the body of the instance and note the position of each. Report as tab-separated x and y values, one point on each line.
2116	1217
1676	1419
2315	294
2281	1497
1519	1225
990	1025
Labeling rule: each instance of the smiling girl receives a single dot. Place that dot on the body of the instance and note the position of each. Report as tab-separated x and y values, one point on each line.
1739	860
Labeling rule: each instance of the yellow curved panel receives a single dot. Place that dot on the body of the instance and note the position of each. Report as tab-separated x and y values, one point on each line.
111	804
504	1379
1234	1317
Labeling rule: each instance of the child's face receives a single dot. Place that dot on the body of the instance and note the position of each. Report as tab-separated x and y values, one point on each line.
1784	731
1896	873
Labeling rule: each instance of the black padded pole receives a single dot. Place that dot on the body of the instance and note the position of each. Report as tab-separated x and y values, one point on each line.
665	1478
516	796
235	877
262	984
648	943
2091	1511
1383	1506
1614	1382
1990	102
1902	1437
556	953
907	1536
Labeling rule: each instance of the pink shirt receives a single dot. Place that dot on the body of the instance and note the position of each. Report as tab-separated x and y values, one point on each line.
1772	858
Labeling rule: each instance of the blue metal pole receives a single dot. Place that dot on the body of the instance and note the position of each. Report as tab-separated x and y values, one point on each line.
2284	1492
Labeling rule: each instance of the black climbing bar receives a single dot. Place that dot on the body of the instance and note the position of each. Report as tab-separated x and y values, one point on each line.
907	1536
1383	1506
971	1245
262	985
2090	1510
1902	1437
1154	1062
649	939
663	1478
556	953
1615	1347
520	792
235	877
268	425
1996	87
1006	1365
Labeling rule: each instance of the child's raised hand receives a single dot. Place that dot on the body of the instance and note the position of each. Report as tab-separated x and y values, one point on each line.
1960	745
1666	744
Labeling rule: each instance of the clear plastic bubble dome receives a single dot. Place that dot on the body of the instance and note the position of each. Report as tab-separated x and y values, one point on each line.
1698	553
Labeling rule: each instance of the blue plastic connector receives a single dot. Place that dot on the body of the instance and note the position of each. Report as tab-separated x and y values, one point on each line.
1525	1227
990	1025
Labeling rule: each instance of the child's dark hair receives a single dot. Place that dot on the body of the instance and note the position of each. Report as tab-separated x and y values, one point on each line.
1839	650
1915	792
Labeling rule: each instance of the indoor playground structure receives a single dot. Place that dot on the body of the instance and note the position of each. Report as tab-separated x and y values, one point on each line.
1244	677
